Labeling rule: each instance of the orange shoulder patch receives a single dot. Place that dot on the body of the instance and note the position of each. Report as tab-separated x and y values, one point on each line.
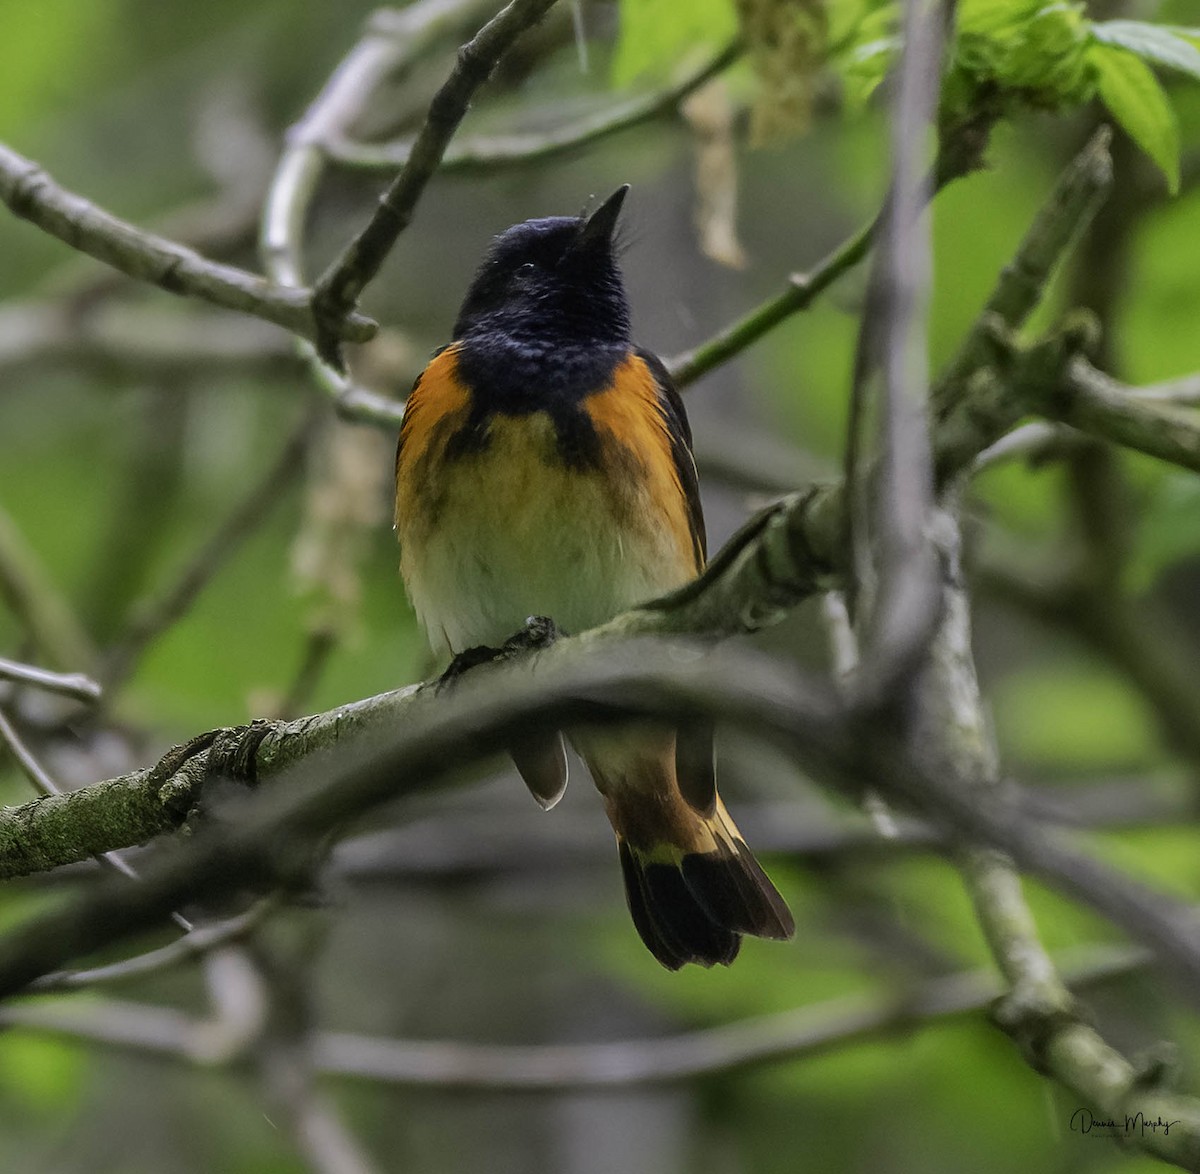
438	404
630	411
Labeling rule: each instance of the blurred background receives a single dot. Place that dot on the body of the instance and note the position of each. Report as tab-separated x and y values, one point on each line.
134	426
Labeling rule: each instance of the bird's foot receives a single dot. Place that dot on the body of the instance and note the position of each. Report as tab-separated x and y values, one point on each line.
539	632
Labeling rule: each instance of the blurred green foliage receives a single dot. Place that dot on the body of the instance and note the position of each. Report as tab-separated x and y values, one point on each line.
1045	56
41	1078
656	34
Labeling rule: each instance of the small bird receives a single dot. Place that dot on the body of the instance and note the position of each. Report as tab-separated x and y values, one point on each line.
545	468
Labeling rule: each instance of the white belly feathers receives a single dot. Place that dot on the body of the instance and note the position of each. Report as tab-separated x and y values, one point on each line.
516	533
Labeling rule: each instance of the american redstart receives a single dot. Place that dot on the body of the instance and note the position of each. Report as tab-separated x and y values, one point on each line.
545	468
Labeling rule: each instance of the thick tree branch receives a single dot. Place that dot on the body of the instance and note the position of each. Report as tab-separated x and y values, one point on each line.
755	579
1038	1010
45	785
353	759
892	591
1094	403
32	195
101	817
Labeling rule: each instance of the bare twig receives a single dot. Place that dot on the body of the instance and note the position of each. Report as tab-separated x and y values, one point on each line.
1103	407
201	940
32	769
1054	380
77	685
284	1060
464	840
1038	1011
492	151
771	1039
802	290
31	194
385	49
1184	391
393	40
958	155
239	1002
338	289
473	840
1034	442
999	395
153	344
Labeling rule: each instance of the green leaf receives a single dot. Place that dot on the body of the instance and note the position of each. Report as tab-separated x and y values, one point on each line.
1038	51
865	67
656	34
863	44
990	16
1150	42
1136	100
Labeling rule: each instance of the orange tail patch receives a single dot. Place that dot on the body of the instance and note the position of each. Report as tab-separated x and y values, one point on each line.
693	886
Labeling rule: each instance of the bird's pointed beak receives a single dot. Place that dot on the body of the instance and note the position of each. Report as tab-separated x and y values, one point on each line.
601	223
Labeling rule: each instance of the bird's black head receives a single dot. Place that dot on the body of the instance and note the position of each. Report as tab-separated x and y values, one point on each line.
554	280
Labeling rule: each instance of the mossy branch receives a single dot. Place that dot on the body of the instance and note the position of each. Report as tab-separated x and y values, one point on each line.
338	766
